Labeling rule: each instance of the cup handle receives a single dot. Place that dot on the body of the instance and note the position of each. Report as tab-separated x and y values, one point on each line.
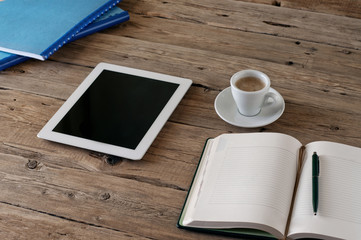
270	95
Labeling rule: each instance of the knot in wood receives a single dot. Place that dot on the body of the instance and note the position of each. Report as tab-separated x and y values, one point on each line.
32	164
276	3
71	195
105	196
346	51
334	128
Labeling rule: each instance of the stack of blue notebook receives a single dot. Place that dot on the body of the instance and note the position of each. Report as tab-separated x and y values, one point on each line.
36	29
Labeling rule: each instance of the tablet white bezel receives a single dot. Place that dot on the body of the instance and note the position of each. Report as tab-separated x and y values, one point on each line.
134	154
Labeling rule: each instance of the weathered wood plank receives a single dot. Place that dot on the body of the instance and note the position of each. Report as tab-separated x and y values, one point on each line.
44	78
129	206
303	54
257	18
19	223
348	8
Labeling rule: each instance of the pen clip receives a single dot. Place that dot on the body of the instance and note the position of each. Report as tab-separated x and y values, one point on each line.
318	166
315	164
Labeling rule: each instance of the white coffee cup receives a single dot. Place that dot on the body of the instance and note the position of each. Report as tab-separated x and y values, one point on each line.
250	91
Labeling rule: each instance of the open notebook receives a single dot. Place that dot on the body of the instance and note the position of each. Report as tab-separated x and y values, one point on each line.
260	184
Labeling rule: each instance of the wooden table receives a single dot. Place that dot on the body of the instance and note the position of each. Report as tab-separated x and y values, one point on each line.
310	49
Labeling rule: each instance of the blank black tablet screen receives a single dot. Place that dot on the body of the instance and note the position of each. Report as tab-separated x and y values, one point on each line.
117	109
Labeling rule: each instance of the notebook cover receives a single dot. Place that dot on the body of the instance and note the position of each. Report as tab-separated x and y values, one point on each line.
112	17
23	31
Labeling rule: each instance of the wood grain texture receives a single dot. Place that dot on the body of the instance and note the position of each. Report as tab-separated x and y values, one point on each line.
349	8
310	50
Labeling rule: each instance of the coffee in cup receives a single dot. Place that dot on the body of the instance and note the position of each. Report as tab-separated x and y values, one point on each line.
250	84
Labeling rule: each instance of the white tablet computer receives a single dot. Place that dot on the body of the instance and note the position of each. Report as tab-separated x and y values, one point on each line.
116	110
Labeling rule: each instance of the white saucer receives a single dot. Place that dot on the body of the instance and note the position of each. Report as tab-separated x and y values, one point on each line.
227	110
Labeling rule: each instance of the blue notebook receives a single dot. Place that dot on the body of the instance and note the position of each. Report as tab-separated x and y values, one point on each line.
112	17
38	28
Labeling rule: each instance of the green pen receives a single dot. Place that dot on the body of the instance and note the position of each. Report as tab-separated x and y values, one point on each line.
315	174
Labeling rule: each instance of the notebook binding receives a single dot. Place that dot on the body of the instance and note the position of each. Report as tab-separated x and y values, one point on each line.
84	23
